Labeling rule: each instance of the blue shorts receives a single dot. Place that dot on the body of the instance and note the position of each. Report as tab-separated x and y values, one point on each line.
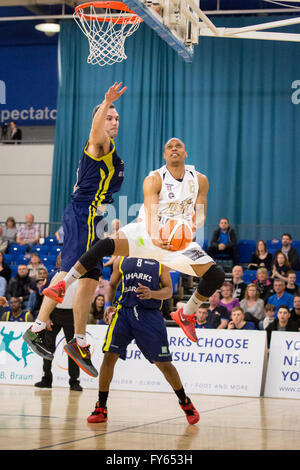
148	329
79	226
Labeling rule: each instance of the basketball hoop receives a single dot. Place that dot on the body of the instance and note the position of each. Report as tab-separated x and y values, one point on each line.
106	25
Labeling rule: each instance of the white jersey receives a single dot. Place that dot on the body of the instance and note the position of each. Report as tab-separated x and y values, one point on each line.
177	198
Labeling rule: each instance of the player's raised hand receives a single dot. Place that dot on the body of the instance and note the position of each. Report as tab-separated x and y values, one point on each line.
114	92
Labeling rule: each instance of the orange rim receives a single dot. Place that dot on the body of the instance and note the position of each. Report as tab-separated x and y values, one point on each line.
122	7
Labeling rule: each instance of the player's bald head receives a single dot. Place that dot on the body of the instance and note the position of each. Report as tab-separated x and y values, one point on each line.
175	139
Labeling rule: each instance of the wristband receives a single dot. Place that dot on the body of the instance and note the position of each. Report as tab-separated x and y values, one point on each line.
107	304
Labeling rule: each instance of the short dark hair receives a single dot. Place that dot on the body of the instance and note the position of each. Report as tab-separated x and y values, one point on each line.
287	235
112	106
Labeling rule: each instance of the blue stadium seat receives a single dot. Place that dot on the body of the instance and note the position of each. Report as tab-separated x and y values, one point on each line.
55	250
41	249
175	276
106	273
48	259
14	270
245	249
51	241
8	258
273	245
15	248
298	278
22	259
249	275
296	244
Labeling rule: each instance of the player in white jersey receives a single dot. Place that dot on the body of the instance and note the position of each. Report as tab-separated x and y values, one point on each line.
175	190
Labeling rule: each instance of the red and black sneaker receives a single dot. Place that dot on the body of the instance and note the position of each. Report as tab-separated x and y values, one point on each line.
81	355
191	413
56	292
99	415
186	322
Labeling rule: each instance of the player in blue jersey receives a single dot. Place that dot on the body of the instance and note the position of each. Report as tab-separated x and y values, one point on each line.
99	175
145	284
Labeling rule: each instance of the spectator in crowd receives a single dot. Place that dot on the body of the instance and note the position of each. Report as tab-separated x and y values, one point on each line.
3	286
238	321
291	286
5	270
239	286
29	233
15	312
10	230
224	241
289	251
202	318
218	315
283	322
252	303
97	310
269	316
101	288
36	298
61	318
3	242
15	132
35	265
59	235
280	297
281	266
264	284
295	312
42	273
261	257
227	299
21	285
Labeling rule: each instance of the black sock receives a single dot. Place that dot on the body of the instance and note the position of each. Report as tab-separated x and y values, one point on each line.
102	399
181	395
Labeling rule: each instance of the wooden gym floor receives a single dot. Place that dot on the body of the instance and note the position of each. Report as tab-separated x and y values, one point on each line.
34	419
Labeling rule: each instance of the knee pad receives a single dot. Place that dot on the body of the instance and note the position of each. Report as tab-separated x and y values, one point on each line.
211	281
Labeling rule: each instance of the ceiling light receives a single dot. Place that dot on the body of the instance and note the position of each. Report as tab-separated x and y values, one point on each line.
48	28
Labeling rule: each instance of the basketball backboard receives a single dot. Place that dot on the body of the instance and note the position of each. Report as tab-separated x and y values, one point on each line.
182	22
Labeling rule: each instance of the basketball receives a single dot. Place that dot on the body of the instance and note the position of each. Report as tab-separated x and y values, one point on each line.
178	233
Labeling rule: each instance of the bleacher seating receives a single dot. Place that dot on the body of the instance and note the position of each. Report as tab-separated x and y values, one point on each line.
249	275
245	249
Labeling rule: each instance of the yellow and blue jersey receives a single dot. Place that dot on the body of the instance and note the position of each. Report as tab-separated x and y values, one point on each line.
98	178
137	271
22	317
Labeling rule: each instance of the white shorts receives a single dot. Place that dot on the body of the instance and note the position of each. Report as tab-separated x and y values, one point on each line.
141	246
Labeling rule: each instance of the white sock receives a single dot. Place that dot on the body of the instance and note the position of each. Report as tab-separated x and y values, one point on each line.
192	305
71	277
38	326
81	340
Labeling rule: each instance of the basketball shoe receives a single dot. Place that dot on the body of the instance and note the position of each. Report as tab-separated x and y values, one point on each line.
81	355
186	322
36	342
191	413
99	415
56	292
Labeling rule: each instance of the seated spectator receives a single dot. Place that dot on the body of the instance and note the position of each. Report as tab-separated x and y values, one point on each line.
3	242
227	299
16	313
218	315
295	312
280	297
261	258
5	270
97	310
36	298
201	318
15	132
102	287
21	285
224	242
269	316
264	284
42	273
291	286
239	286
289	251
35	265
10	230
281	266
238	320
29	233
59	235
252	303
283	322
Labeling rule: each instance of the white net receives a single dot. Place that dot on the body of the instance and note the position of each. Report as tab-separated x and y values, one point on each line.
106	30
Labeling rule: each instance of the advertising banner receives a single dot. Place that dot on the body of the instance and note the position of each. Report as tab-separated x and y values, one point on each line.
283	373
222	362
